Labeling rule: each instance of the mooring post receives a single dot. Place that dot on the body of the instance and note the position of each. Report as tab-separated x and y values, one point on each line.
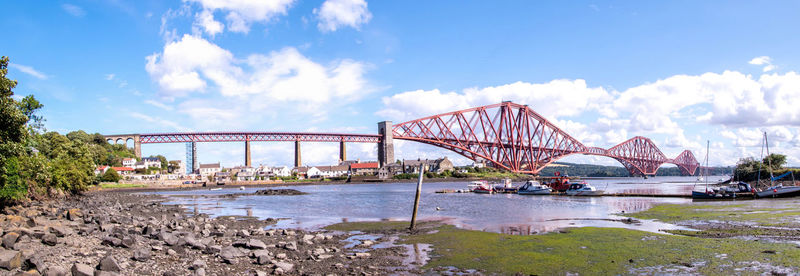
416	198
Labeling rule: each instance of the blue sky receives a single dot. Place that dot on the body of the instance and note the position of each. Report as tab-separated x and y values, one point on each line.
680	72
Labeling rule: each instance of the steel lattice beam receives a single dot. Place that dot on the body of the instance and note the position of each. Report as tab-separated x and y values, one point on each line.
515	138
155	138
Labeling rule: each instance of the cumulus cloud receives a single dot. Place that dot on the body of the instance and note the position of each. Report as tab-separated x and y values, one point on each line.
240	14
193	64
555	99
28	70
73	10
205	20
334	14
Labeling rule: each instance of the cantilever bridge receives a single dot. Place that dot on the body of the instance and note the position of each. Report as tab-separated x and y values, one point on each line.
507	135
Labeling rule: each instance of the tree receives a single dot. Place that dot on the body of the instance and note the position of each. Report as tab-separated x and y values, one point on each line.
110	175
774	161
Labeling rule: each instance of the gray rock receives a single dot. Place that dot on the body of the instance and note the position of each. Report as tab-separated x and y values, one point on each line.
128	242
194	243
50	239
200	272
111	241
168	238
291	246
10	239
55	271
105	273
79	269
109	264
229	254
197	264
60	231
10	259
263	259
256	244
107	227
214	249
142	254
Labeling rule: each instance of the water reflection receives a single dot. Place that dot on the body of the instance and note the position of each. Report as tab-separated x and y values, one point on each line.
503	213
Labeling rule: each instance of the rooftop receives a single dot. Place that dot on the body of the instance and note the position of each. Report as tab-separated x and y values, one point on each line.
371	165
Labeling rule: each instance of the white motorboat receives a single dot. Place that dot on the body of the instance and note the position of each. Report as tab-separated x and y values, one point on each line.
533	187
583	189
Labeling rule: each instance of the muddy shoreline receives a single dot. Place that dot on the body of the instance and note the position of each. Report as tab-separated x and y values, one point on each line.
127	233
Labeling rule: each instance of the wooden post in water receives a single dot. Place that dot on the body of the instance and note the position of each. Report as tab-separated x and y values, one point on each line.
416	198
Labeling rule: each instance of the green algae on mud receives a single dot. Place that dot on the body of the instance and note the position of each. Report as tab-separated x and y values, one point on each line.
787	215
586	250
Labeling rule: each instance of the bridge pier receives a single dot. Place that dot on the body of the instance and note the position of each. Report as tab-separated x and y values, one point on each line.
342	151
137	146
297	161
386	146
247	152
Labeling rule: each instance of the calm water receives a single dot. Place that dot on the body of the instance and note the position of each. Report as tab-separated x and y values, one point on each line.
507	213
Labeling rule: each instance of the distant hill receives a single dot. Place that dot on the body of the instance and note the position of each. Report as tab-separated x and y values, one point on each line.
588	170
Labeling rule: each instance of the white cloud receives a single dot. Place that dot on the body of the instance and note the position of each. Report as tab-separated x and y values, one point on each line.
159	105
242	13
162	122
337	13
196	65
205	19
763	60
73	10
110	76
28	70
555	99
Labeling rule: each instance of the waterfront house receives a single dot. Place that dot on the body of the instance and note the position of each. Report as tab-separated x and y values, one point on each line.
306	172
222	176
333	171
100	170
369	168
437	166
123	170
245	176
129	162
281	171
151	162
209	169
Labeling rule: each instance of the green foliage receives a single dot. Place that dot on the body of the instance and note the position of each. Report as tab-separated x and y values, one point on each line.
774	161
110	175
35	164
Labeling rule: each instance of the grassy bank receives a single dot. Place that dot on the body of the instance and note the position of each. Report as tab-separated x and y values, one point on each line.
110	185
587	250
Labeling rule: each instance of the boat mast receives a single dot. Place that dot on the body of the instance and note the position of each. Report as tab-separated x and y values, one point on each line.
769	160
708	142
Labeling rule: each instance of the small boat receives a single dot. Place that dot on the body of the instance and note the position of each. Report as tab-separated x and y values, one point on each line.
533	187
241	188
483	188
215	189
583	189
779	191
506	187
475	184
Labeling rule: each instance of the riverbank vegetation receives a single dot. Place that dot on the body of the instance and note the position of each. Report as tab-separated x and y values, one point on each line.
36	163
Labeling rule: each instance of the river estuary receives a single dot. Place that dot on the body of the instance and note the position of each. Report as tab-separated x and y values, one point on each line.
505	213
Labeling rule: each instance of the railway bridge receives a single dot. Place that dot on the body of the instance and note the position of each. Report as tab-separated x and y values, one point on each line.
506	135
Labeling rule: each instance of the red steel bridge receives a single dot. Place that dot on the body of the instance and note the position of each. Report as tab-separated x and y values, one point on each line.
506	135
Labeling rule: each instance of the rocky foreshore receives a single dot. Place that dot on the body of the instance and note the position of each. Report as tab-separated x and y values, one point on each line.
118	233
